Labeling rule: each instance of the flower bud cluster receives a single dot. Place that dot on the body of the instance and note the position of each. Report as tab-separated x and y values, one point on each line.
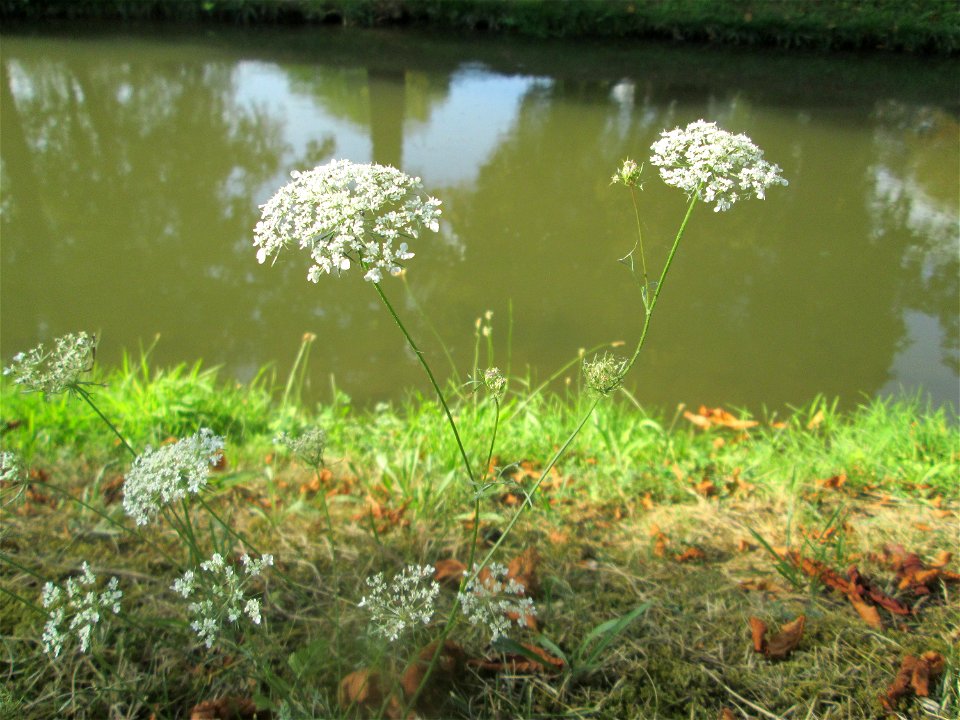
223	592
495	382
308	447
490	598
79	602
169	473
713	164
604	373
344	213
628	174
409	600
57	370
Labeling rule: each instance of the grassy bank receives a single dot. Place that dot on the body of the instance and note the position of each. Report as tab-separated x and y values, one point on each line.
674	531
928	26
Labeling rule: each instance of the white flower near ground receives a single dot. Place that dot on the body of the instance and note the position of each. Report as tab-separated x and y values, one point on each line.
308	446
222	594
717	166
11	467
168	473
346	213
409	600
79	601
489	599
57	370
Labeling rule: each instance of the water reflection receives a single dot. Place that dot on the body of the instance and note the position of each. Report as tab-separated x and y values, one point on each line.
131	173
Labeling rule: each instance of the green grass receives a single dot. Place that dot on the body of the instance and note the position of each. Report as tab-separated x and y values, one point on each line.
899	25
608	526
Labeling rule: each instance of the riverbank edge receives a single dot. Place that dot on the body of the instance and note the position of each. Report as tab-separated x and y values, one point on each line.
914	26
893	443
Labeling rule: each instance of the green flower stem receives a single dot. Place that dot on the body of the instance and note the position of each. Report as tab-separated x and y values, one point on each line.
86	396
636	213
433	381
656	293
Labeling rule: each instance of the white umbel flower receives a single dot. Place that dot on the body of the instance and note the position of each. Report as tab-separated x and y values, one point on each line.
409	600
54	371
79	601
491	597
346	213
169	473
222	594
717	166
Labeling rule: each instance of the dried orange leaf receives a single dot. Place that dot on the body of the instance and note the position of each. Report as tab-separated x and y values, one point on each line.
758	630
914	676
449	571
523	569
691	554
445	672
780	645
228	708
363	689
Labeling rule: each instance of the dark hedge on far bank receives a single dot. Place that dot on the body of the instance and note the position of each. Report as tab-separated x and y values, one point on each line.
922	26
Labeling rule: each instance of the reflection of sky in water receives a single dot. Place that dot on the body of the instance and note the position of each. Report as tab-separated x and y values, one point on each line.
267	86
449	148
914	367
463	131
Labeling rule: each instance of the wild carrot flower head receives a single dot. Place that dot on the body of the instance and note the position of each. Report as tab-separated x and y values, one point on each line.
56	370
409	600
308	446
222	593
717	166
169	473
490	598
80	603
345	213
604	373
495	382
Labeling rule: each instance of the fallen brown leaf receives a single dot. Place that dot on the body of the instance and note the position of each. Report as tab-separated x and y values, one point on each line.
448	668
691	554
516	663
449	572
363	689
914	676
780	645
229	707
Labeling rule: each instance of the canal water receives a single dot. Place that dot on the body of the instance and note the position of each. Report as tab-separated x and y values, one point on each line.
133	162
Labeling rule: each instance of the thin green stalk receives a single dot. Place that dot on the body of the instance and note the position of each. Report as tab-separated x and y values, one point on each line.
636	213
433	381
656	293
27	603
86	396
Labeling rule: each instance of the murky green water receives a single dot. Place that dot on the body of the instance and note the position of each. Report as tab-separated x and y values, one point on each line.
133	164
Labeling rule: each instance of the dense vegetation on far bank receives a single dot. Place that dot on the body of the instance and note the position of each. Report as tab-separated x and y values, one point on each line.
922	26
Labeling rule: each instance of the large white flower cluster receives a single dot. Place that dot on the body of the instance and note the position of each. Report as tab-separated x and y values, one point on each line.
347	213
81	603
168	473
409	600
717	166
56	370
224	594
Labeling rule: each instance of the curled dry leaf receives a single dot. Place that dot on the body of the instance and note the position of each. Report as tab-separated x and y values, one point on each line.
229	707
709	417
516	663
364	690
914	575
914	675
780	645
691	554
523	569
449	572
448	668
